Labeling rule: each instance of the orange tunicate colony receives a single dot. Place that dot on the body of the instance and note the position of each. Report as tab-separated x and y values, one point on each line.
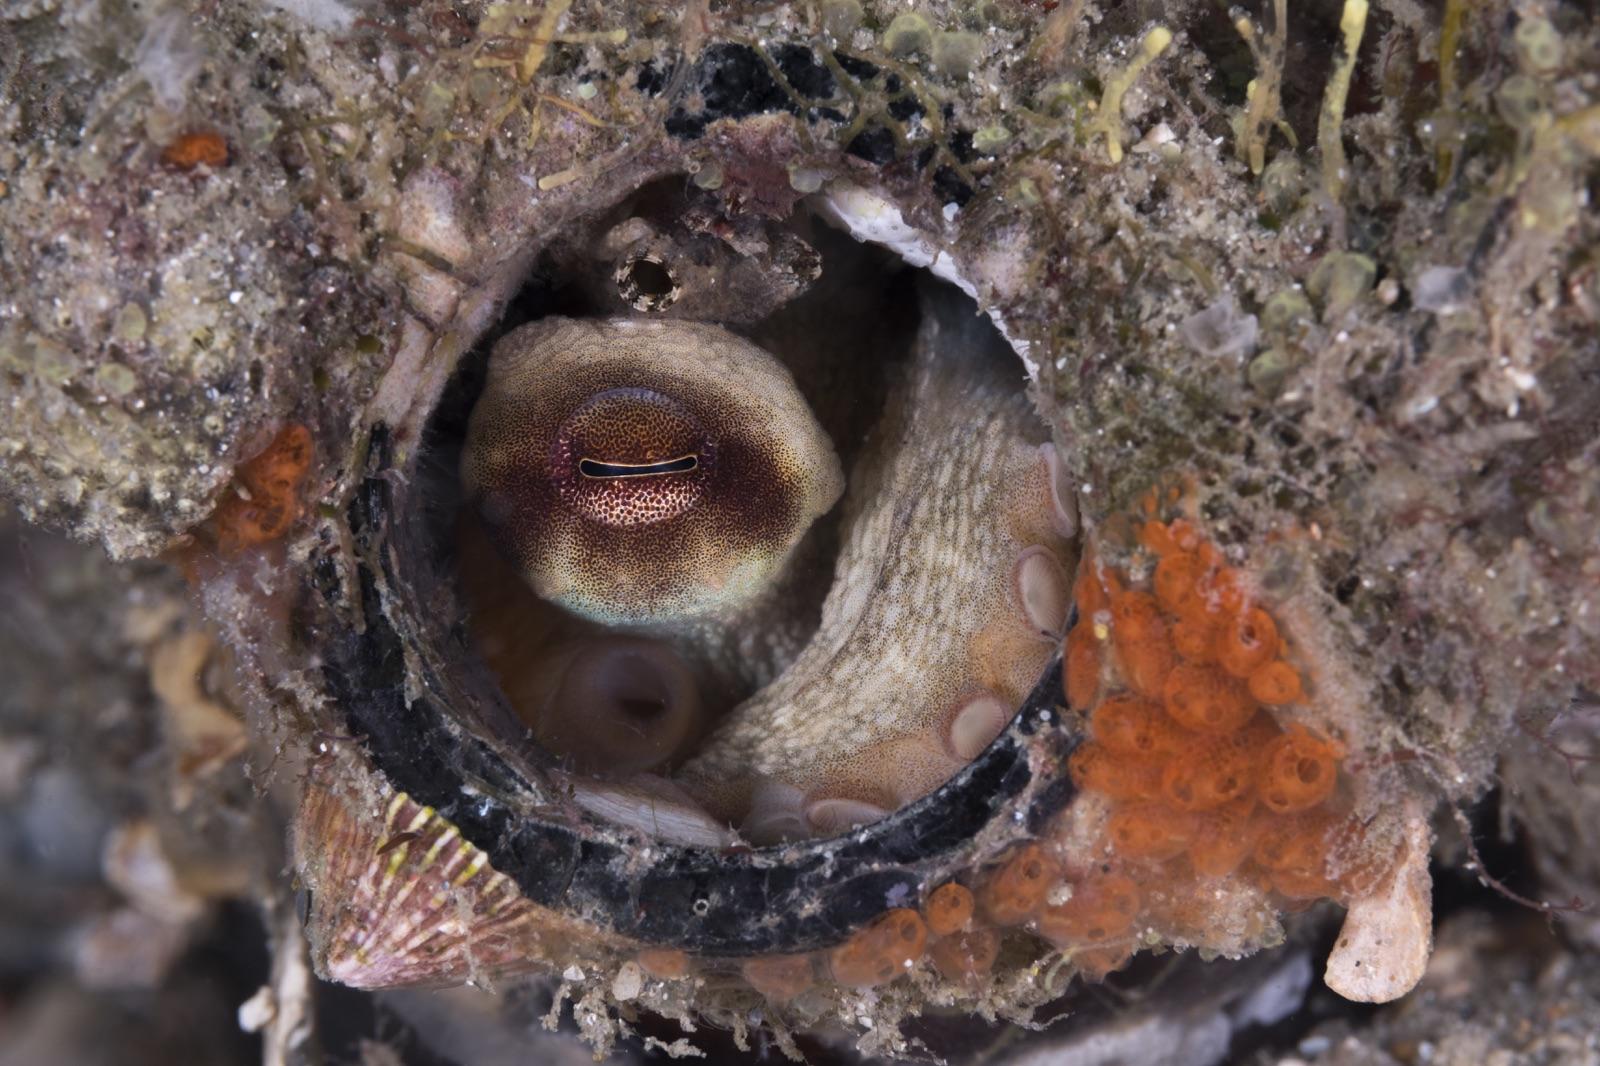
265	501
1181	677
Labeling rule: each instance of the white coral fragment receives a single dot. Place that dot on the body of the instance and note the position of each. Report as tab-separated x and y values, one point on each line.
1383	949
1441	289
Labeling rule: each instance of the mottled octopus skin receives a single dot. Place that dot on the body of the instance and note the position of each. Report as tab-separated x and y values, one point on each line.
925	615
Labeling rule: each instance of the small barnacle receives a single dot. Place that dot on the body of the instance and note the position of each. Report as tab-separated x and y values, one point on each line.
646	284
1539	48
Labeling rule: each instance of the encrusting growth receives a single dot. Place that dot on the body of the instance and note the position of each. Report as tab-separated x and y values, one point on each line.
265	500
1180	675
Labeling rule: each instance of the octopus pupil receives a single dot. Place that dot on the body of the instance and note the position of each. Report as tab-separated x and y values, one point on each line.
643	708
595	468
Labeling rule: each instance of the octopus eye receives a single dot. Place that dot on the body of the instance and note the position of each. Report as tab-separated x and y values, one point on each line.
644	472
631	457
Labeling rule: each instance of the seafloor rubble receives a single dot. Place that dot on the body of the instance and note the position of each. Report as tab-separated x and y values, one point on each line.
1305	296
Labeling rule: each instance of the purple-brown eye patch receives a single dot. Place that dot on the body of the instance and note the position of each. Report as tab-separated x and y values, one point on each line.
629	457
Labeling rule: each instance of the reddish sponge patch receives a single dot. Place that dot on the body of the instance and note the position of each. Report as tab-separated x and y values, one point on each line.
265	500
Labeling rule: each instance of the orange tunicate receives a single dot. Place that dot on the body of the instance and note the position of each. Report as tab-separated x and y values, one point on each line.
1177	583
1096	962
666	963
1276	684
1150	831
778	977
1221	591
1095	768
1246	642
1224	838
880	951
1156	537
1298	772
1144	650
1179	535
1081	665
966	955
1216	769
1127	725
1194	638
1295	850
1017	887
948	909
1206	699
1099	909
191	149
1087	590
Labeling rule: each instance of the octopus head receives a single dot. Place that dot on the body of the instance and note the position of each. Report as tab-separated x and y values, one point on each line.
645	473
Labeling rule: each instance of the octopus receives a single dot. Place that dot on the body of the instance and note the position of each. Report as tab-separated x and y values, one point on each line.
666	492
